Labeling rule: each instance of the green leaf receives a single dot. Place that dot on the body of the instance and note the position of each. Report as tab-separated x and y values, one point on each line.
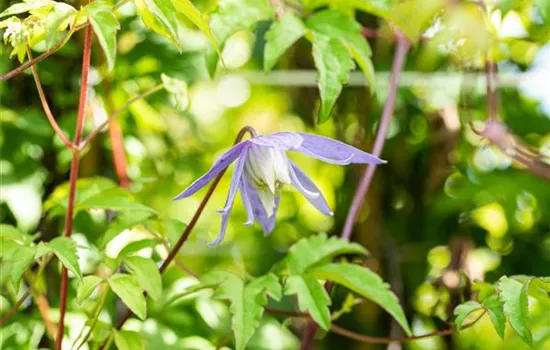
151	21
127	340
85	188
12	233
25	6
105	26
246	302
190	290
367	284
136	246
513	294
172	229
483	290
187	8
22	258
165	12
178	89
147	274
318	249
337	25
414	25
543	6
462	311
8	248
56	21
380	8
65	250
494	307
86	287
266	284
116	203
312	298
280	37
347	306
130	292
333	62
123	222
232	16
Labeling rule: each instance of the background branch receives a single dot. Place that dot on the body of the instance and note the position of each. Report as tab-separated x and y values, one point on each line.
402	48
115	114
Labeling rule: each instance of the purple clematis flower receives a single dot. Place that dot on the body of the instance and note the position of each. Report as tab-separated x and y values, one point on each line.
263	168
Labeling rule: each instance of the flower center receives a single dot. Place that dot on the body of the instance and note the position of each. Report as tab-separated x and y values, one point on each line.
267	169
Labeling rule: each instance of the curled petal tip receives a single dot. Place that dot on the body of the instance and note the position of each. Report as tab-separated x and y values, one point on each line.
216	242
179	196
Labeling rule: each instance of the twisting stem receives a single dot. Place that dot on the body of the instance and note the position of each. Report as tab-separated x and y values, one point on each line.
380	340
491	70
403	45
14	308
97	312
73	177
115	114
175	249
27	293
32	61
375	340
46	107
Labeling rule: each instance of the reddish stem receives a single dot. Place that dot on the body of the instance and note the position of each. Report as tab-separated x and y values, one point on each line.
75	162
117	141
119	156
403	45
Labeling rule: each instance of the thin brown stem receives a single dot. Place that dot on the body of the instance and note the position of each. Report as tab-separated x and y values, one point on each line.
20	301
491	70
32	61
75	162
375	340
115	114
14	308
381	340
403	45
46	106
175	249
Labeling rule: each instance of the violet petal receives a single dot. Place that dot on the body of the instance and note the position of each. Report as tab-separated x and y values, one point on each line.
235	180
302	182
221	163
333	151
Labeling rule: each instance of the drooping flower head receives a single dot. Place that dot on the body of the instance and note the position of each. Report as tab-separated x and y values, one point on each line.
263	168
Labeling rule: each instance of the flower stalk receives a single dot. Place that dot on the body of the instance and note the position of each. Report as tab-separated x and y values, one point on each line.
185	234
